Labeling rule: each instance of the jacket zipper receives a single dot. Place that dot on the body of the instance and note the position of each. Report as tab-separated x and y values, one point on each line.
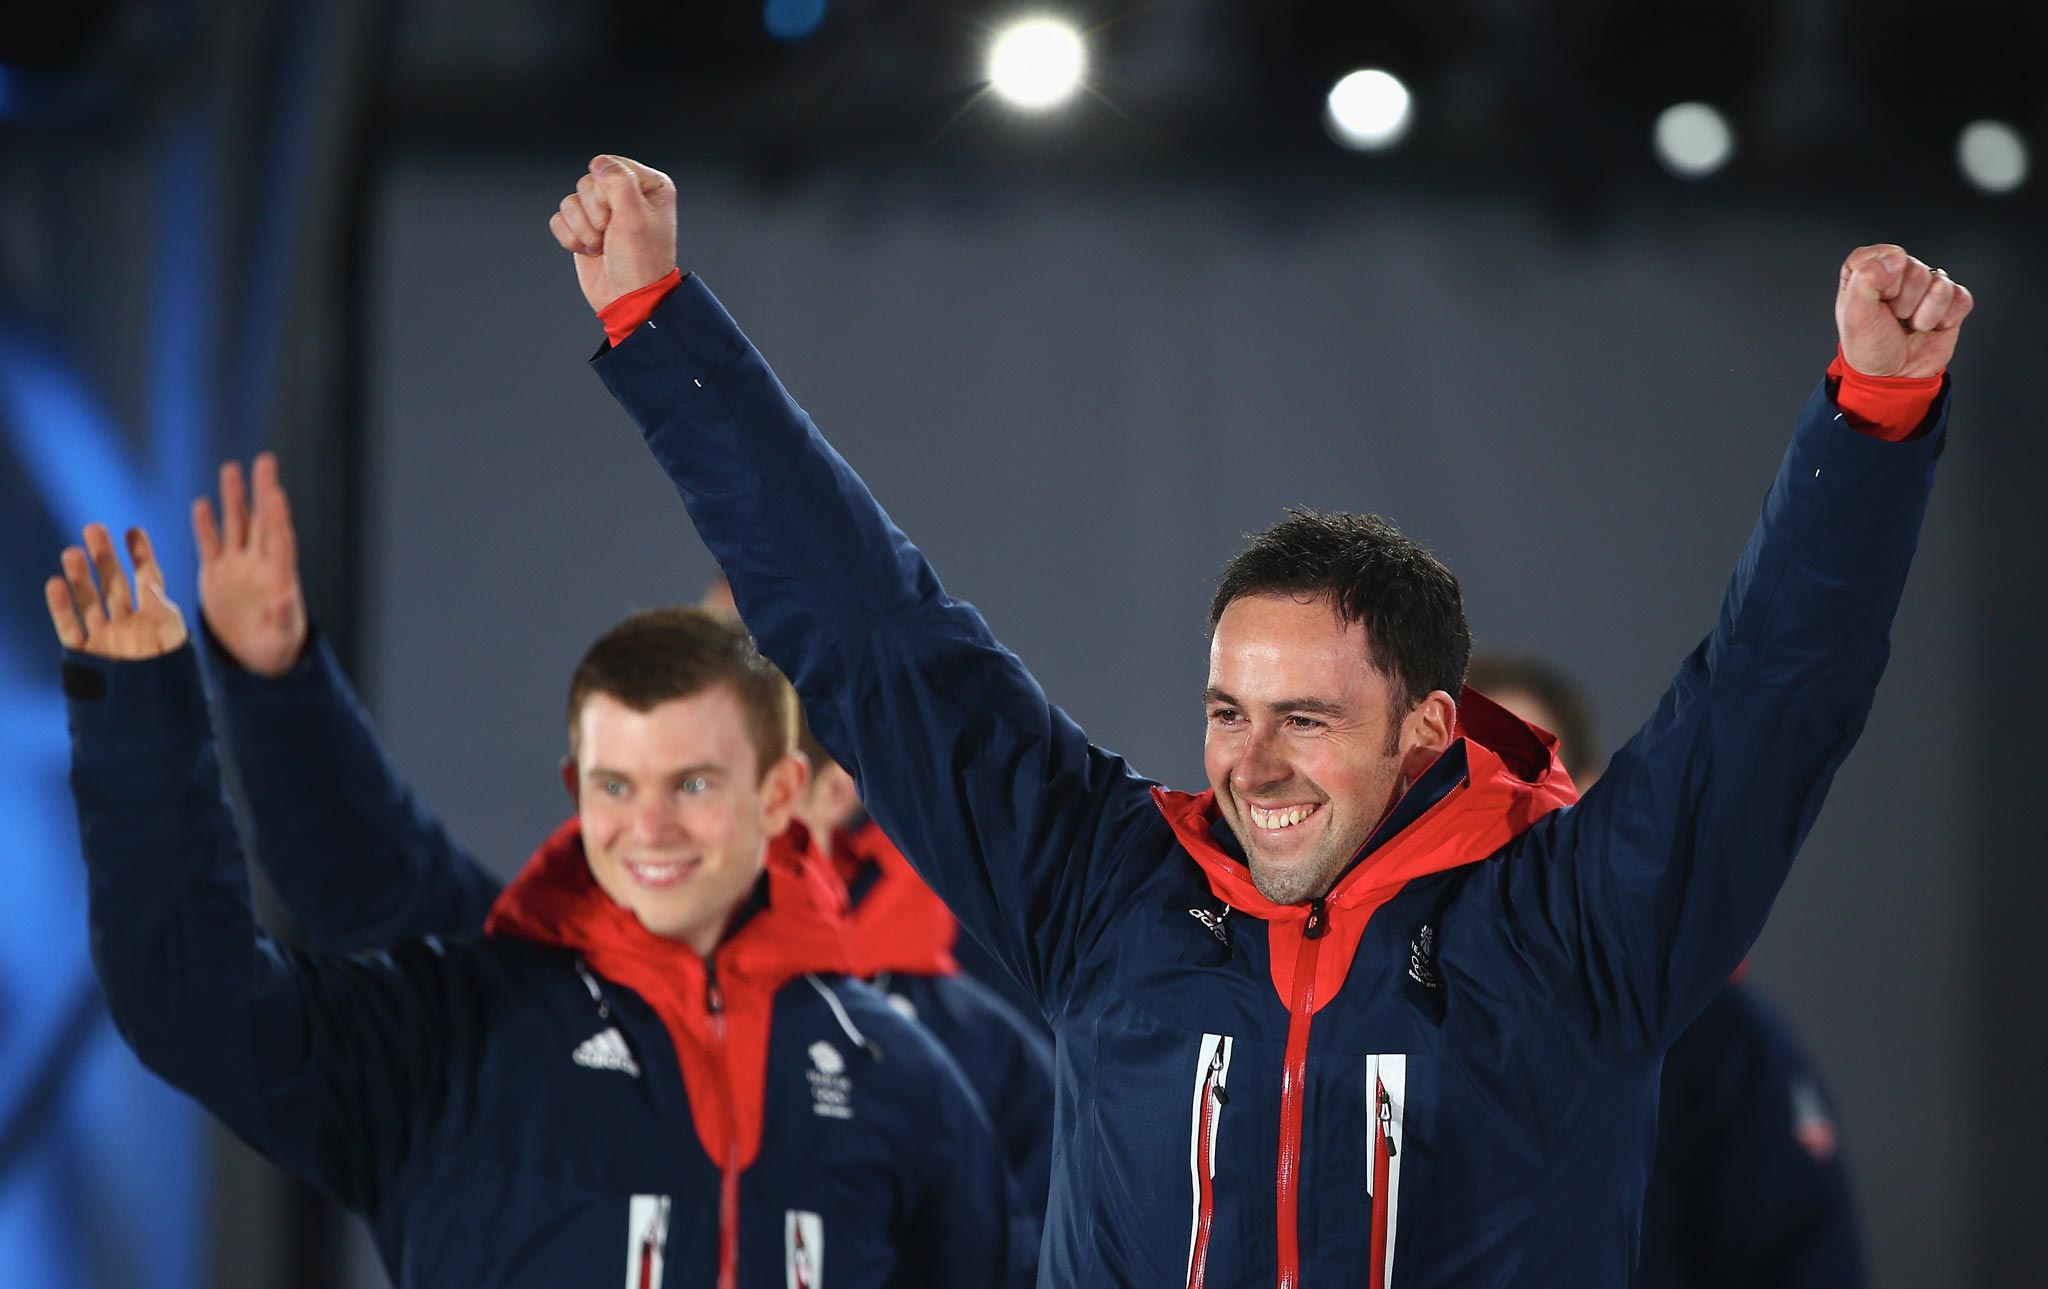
1214	1098
1293	1074
729	1167
1382	1169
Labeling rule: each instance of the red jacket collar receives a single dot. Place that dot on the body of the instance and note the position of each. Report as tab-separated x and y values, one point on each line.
1512	779
899	924
724	1058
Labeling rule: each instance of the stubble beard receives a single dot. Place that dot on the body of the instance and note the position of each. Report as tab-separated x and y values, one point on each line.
1300	883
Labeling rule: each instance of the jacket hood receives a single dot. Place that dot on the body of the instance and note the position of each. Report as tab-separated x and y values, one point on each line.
716	1012
897	923
1512	777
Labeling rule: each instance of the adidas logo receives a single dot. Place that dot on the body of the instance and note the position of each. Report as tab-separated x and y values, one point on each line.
1218	923
606	1051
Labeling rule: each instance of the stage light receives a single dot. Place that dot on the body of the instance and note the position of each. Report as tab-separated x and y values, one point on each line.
1037	63
1368	110
1992	155
1693	140
793	19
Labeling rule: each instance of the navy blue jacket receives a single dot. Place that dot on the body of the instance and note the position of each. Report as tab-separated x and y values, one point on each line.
359	862
1456	1085
501	1115
1751	1187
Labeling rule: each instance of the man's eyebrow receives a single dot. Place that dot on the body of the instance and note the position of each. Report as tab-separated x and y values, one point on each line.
1315	706
703	770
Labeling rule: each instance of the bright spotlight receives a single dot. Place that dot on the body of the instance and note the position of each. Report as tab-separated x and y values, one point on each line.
1693	140
1037	63
1368	110
1993	156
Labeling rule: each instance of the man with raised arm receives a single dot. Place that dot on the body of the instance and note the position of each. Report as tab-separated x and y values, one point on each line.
648	1068
1383	1006
360	862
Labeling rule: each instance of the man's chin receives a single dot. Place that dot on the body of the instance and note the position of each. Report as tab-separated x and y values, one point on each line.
1295	882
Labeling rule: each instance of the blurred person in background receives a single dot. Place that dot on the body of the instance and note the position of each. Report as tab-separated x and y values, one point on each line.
906	943
1376	1008
1750	1186
587	1089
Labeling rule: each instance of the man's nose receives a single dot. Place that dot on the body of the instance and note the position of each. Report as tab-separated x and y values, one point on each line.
653	820
1262	764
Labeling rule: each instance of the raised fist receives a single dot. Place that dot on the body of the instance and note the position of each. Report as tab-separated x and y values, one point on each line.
621	224
249	588
108	620
1895	315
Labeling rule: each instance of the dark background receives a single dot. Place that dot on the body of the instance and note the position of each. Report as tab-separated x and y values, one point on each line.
1076	356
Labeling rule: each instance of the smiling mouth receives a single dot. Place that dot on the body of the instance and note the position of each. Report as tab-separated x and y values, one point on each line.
1281	817
660	877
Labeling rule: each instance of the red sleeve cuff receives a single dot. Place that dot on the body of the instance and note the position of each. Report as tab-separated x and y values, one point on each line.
1884	407
624	315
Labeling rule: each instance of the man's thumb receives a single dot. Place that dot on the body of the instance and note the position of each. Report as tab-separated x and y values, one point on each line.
627	180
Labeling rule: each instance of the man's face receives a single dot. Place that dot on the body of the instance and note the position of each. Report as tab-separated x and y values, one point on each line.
1304	744
676	814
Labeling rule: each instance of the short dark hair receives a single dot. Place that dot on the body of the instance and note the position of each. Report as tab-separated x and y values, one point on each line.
665	654
1408	602
1494	674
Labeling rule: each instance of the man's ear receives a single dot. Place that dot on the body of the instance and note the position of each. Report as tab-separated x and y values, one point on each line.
782	791
1426	732
834	794
572	782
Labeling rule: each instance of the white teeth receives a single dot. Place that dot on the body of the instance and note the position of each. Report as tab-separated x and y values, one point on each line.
1281	818
657	872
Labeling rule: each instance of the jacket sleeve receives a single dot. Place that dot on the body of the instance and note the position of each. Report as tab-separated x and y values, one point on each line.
1643	899
357	859
1022	1109
998	798
966	1224
1754	1158
327	1066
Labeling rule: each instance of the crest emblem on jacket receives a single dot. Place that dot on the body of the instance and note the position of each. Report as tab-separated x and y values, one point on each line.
831	1090
1422	959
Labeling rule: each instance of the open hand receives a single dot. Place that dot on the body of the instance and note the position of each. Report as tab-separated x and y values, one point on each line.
108	620
249	590
1896	316
621	224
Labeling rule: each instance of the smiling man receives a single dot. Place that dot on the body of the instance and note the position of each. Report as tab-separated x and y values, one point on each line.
1383	1006
651	1068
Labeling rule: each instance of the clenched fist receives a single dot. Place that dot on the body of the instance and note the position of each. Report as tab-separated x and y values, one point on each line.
1895	315
621	224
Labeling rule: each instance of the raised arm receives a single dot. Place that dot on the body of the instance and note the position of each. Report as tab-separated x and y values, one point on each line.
1646	896
358	860
994	794
320	1065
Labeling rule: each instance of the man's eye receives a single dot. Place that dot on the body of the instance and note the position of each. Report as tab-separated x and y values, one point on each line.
1304	723
612	788
1224	716
695	784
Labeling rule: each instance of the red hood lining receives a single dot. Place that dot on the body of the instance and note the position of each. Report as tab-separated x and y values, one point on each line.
899	925
800	929
1513	778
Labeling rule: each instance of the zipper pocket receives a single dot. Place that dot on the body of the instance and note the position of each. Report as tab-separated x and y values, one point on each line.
1387	1086
1212	1075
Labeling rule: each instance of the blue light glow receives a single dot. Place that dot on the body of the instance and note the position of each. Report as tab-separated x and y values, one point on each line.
793	19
